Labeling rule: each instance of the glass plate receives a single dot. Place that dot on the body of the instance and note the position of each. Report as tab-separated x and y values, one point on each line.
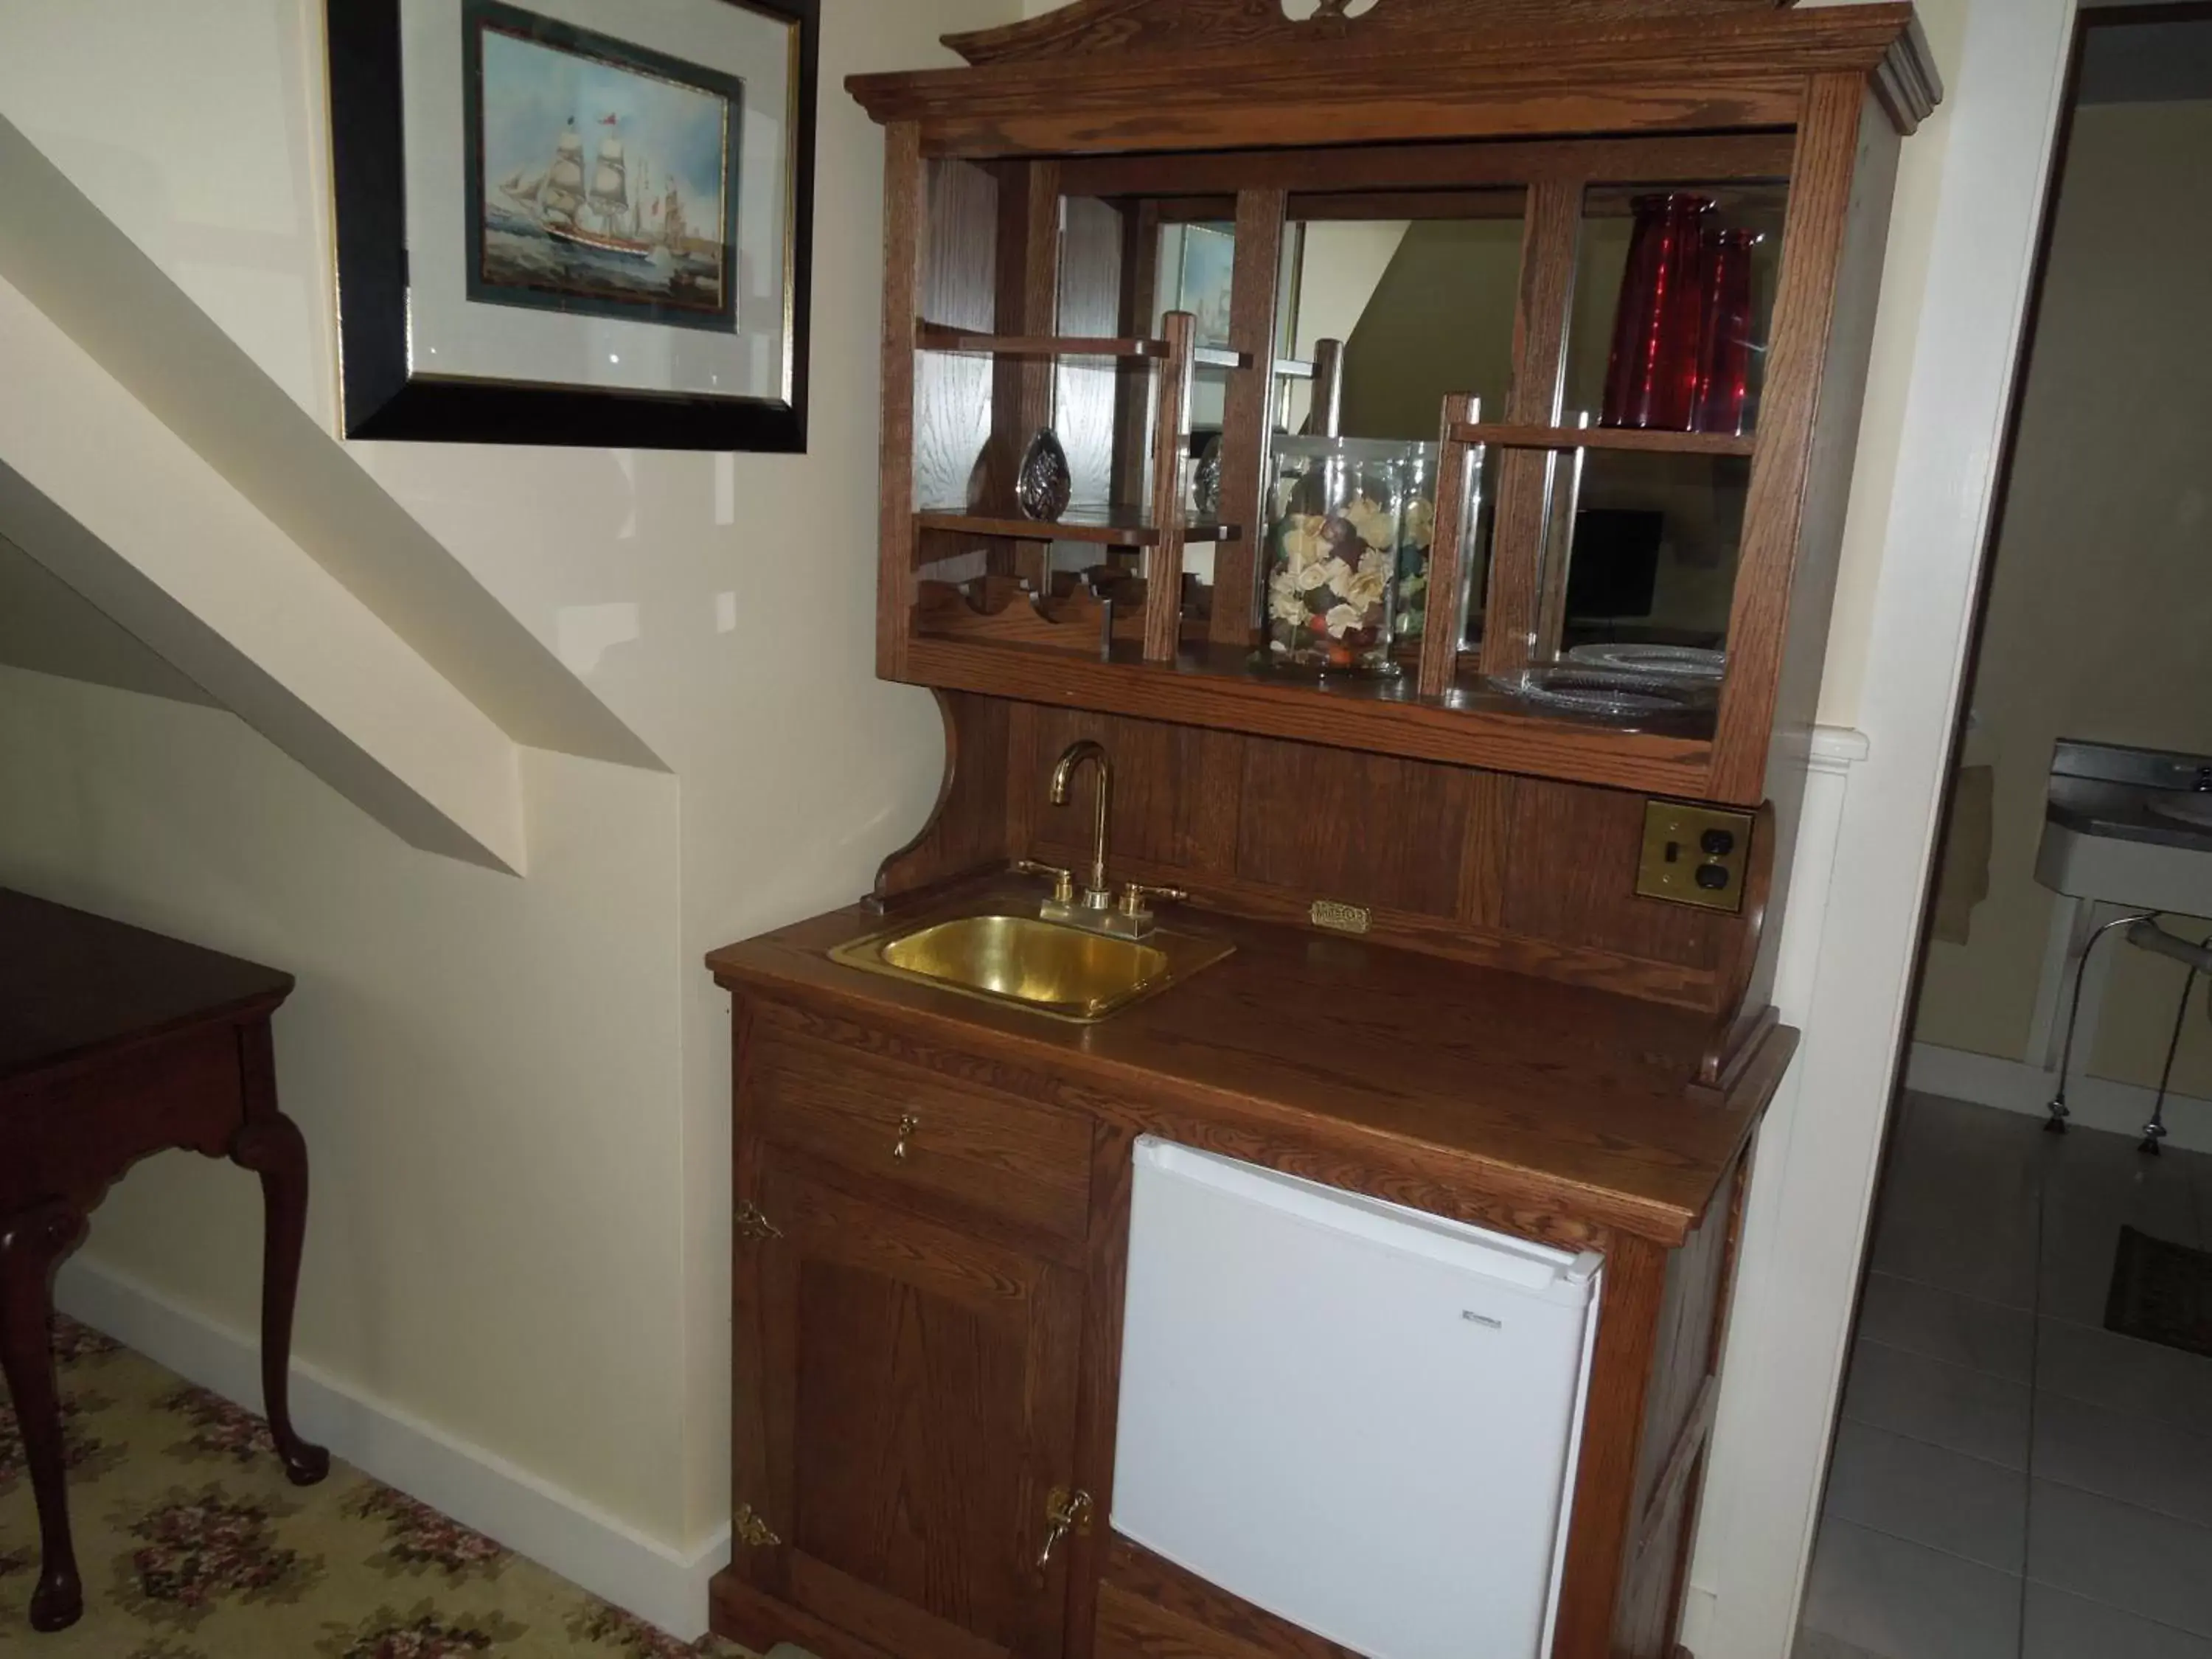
1601	691
1673	662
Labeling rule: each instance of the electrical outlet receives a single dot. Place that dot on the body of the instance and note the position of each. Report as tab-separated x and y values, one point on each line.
1694	855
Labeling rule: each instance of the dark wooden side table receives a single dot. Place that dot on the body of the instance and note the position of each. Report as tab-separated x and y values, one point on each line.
116	1043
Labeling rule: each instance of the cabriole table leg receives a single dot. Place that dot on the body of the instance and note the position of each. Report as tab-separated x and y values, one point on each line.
271	1146
31	1245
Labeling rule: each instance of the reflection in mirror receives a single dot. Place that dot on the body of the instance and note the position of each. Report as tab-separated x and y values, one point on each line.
1418	291
1197	269
1425	309
1673	300
1639	568
1388	303
1654	555
1196	272
1673	305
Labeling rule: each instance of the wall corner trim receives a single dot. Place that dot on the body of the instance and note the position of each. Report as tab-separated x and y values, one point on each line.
1838	748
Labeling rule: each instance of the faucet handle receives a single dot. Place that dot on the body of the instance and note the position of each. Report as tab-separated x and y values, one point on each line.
1063	881
1133	895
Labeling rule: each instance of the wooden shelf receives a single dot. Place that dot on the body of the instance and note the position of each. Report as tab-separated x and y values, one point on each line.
935	337
1110	527
999	609
1506	435
1218	686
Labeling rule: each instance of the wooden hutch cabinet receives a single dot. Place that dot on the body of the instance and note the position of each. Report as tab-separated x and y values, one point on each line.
1503	897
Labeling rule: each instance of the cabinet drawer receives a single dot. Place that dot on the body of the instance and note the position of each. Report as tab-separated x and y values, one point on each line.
1028	1164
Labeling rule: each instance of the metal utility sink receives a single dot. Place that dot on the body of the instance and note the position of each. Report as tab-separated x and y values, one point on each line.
1068	973
2194	810
2128	826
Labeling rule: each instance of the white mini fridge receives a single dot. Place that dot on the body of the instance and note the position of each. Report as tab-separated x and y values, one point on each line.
1357	1416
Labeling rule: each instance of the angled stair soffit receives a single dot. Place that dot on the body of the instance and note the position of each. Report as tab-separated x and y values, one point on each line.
47	626
110	502
74	264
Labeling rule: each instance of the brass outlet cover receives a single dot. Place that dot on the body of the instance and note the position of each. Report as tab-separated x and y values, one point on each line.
1694	855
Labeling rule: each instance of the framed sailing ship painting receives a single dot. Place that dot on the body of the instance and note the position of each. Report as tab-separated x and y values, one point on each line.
574	222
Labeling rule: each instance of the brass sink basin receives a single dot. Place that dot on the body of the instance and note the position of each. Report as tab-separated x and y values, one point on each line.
1065	972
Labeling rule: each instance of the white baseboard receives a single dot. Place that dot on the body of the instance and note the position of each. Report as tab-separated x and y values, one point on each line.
1698	1606
478	1488
2097	1102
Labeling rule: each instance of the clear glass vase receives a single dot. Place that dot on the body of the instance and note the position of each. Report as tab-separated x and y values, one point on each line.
1417	535
1336	525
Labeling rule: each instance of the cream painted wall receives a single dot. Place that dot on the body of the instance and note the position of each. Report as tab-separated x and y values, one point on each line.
485	1068
516	1092
2100	622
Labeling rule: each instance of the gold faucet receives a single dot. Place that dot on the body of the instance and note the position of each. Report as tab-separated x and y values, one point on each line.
1131	917
1096	896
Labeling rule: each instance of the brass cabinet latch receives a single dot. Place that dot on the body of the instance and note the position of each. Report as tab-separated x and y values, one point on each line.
908	1123
1066	1511
750	1530
752	1224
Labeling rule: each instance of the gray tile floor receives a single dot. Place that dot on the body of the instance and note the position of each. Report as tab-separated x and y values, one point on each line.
2010	1480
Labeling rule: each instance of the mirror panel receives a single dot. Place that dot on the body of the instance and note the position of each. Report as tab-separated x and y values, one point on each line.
1637	581
1388	303
1674	305
1424	307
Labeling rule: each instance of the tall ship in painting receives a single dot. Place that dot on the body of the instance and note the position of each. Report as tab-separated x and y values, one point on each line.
607	214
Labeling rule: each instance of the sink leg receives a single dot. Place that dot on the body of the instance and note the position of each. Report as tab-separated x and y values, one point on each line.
2059	1110
2155	1131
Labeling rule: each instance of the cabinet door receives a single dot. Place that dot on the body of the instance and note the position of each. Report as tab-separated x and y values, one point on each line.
906	1407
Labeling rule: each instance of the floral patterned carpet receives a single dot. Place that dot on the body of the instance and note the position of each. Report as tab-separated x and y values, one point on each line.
193	1545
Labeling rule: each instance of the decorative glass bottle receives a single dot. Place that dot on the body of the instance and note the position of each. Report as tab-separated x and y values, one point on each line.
1724	344
1651	381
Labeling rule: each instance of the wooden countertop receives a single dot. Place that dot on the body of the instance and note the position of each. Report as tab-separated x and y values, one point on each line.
1533	1090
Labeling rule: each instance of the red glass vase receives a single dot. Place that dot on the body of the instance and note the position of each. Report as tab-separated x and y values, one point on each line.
1724	343
1651	382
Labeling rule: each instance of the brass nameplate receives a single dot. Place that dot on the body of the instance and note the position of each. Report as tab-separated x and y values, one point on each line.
1342	918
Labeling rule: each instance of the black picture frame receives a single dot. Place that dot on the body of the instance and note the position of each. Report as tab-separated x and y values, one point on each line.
382	400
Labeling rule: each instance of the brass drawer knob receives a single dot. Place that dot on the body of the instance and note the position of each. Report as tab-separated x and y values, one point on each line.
908	1123
1065	1511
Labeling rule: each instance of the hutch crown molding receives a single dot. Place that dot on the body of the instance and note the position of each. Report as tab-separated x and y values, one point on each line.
1464	975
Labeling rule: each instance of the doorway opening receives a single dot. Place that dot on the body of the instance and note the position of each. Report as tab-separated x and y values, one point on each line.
2022	1468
